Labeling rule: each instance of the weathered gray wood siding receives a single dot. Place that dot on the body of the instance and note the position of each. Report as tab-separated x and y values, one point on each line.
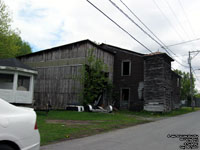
157	84
59	70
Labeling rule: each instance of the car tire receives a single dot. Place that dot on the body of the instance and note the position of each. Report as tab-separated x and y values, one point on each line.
6	147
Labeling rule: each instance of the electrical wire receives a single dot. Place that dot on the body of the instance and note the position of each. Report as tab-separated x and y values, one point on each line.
174	14
115	5
119	26
168	20
186	16
183	42
124	30
166	47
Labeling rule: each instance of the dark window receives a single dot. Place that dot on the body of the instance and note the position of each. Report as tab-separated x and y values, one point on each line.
23	83
6	81
126	68
125	94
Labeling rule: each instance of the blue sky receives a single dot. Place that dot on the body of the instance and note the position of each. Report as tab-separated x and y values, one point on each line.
49	23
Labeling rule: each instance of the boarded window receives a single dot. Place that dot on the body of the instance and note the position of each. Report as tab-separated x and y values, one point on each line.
6	81
126	68
125	94
23	83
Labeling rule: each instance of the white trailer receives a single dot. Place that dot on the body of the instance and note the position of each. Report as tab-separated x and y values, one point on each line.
16	81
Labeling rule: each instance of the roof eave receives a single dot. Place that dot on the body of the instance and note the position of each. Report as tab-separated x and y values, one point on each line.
18	69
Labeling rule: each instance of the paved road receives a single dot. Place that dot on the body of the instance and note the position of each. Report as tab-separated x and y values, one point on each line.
151	136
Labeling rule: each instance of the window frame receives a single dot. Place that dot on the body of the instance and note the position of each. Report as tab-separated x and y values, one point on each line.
29	88
122	67
6	73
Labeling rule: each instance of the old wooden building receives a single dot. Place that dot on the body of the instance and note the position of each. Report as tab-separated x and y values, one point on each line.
127	78
140	81
59	69
161	84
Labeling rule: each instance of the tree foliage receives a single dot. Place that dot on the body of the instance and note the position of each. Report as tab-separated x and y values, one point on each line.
197	95
11	44
185	84
94	79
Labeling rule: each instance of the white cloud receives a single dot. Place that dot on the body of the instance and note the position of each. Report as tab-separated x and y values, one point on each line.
49	23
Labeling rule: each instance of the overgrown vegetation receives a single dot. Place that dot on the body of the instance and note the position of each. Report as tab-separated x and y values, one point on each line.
94	78
11	44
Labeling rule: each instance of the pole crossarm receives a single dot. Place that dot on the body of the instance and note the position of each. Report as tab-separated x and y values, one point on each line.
197	52
194	51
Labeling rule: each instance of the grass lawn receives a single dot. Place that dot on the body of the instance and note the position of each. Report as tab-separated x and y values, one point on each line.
63	125
183	110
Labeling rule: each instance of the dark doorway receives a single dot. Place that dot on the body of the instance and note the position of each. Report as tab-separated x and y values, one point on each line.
125	96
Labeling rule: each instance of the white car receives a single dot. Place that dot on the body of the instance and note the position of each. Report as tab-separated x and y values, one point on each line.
18	128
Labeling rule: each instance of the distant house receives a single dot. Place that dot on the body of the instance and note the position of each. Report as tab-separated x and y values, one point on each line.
16	81
140	81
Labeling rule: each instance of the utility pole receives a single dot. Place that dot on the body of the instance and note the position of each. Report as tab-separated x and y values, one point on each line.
191	79
191	90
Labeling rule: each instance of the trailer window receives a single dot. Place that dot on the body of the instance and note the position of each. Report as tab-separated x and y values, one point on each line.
23	83
6	81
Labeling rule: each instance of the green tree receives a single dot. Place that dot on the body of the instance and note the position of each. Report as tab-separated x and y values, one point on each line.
11	44
197	95
94	79
185	84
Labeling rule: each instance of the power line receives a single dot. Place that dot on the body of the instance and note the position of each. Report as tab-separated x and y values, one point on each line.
167	19
184	42
188	21
123	29
119	26
115	5
142	23
134	22
176	18
147	27
186	16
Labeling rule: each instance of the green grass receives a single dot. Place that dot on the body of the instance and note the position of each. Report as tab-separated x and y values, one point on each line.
97	122
181	111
